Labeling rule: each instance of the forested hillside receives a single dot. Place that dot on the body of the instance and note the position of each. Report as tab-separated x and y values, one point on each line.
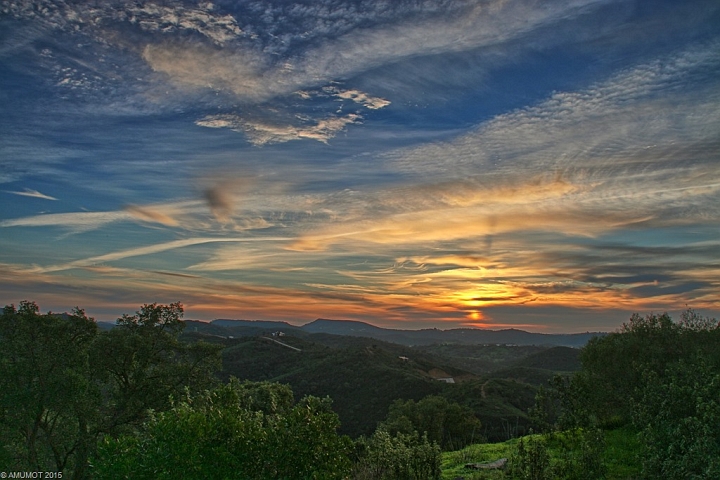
428	336
156	397
364	376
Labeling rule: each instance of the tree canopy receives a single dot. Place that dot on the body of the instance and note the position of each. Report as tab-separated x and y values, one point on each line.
239	430
64	384
662	378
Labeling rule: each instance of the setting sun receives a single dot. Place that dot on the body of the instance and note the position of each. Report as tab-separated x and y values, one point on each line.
417	165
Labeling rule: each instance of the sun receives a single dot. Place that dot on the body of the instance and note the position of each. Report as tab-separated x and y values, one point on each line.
475	315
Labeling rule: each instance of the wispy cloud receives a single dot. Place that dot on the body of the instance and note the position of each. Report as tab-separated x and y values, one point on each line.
611	124
172	215
165	19
76	221
147	250
252	75
264	133
197	66
373	103
148	214
594	184
32	193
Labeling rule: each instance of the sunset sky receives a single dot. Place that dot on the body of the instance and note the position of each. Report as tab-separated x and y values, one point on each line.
547	165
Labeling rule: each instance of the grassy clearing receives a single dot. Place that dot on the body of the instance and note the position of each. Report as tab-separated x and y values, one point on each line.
621	456
453	463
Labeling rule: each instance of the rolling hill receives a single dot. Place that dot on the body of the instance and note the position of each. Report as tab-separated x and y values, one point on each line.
364	374
466	336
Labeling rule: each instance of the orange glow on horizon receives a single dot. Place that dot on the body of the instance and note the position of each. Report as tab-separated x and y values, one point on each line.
493	326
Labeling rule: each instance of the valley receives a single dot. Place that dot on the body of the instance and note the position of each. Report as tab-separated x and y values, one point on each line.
364	374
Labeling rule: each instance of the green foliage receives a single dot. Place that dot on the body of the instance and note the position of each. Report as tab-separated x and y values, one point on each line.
454	463
556	359
63	384
141	363
618	449
397	457
446	423
530	460
662	376
544	414
580	454
679	418
576	454
622	453
267	397
362	376
47	401
229	432
615	366
482	359
501	405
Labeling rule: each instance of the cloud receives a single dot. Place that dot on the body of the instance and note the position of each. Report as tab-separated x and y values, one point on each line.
186	214
373	103
149	214
147	250
240	71
278	50
633	150
469	208
255	76
165	19
555	203
32	193
634	118
221	203
263	133
462	27
160	18
76	221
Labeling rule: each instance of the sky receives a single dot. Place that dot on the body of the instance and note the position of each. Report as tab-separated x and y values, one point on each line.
551	165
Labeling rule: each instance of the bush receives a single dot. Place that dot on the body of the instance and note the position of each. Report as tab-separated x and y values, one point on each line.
679	420
226	433
531	460
397	457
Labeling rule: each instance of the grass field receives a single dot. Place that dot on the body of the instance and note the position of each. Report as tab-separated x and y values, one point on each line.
620	456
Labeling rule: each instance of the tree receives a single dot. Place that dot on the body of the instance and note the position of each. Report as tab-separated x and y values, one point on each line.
679	421
399	456
63	385
530	460
446	423
141	363
664	378
47	401
613	366
229	432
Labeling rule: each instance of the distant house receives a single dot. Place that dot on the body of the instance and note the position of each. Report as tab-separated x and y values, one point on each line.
446	379
405	359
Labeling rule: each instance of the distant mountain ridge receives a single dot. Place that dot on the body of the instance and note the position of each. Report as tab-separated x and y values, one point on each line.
340	327
271	324
408	337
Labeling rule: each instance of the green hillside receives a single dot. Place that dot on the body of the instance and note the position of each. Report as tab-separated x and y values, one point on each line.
362	376
619	455
481	358
556	359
